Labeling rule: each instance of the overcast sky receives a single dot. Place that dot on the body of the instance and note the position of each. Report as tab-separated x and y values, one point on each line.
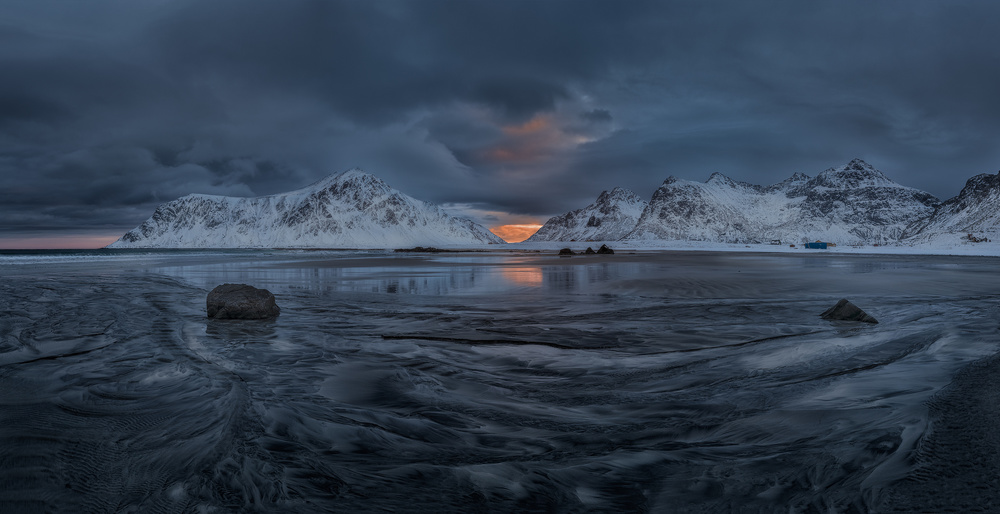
506	111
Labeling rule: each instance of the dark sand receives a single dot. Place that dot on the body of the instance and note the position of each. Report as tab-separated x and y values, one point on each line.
653	381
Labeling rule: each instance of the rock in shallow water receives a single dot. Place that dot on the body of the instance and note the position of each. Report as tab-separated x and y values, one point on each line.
604	250
240	301
847	311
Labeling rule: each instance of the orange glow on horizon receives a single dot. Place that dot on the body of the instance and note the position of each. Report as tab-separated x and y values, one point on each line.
515	233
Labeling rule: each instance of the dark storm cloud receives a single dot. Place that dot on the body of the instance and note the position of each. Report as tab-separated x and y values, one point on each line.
108	108
597	116
519	100
373	61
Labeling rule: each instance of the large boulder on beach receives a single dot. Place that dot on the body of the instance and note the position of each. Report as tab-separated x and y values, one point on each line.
847	311
240	301
566	251
604	250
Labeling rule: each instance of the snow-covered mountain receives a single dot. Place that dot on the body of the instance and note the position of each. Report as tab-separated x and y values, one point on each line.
720	209
854	203
976	211
350	210
613	215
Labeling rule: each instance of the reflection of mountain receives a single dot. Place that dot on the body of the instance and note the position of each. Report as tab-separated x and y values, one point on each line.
349	210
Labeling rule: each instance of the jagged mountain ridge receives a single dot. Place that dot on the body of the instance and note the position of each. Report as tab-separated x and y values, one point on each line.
610	218
352	209
851	204
975	210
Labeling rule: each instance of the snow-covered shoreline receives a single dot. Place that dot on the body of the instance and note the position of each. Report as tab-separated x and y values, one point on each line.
959	248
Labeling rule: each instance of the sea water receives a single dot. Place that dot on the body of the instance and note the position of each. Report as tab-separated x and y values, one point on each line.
495	381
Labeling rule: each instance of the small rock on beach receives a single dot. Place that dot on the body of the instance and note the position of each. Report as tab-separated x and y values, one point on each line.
847	311
241	301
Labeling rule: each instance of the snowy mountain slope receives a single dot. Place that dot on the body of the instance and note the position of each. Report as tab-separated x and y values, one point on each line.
976	210
859	199
851	204
720	209
350	210
611	217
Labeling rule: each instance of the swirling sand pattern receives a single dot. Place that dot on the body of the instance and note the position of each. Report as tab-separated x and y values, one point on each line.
657	383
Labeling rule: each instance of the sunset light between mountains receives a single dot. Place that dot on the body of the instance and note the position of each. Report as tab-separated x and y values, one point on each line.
515	233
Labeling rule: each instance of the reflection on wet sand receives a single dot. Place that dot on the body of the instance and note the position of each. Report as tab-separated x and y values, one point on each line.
523	276
425	277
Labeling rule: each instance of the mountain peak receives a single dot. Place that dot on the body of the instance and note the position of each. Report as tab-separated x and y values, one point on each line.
356	175
797	180
353	172
859	165
719	178
618	194
855	174
980	185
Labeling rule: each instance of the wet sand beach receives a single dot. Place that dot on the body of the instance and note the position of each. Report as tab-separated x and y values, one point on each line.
497	381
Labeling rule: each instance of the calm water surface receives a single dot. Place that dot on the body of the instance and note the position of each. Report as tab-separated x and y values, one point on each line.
659	382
